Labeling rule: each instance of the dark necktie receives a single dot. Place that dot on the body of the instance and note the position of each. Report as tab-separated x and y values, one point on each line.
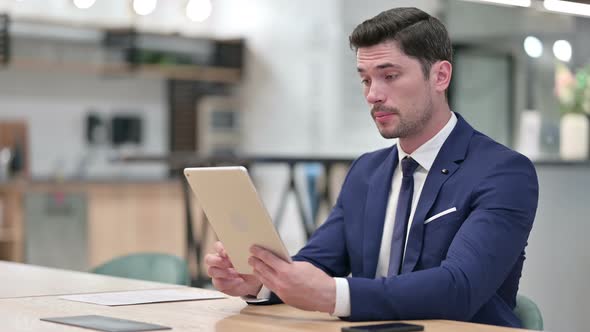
402	213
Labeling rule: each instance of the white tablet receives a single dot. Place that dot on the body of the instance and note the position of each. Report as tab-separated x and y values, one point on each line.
236	213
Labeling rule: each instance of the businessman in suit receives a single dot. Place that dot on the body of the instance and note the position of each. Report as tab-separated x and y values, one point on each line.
433	227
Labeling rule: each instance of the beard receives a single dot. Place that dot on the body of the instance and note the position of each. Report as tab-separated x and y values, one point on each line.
409	124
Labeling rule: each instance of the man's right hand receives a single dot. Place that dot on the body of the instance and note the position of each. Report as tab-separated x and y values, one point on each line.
226	279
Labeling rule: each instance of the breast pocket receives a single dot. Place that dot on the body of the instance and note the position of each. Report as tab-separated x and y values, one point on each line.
446	218
439	215
438	235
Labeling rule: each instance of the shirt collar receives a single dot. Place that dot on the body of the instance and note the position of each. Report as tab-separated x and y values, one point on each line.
428	151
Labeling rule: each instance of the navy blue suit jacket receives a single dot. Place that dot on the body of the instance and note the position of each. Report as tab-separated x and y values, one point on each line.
465	265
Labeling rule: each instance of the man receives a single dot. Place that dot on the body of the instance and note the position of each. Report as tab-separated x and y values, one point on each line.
432	228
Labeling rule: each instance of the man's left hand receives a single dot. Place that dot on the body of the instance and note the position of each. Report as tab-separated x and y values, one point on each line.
299	284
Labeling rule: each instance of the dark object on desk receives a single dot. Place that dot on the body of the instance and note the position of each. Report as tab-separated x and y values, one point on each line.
108	324
390	327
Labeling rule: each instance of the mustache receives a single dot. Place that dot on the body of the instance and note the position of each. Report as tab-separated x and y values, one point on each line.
383	108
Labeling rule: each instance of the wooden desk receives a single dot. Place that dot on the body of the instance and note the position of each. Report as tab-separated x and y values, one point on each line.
22	280
26	283
226	315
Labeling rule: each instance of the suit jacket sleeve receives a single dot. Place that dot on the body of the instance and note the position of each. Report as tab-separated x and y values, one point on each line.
480	257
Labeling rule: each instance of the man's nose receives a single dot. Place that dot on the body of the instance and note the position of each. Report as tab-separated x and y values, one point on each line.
375	96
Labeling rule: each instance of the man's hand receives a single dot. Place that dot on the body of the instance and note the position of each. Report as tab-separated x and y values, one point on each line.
226	279
299	284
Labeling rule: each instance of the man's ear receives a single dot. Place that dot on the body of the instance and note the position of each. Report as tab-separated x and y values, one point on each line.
440	74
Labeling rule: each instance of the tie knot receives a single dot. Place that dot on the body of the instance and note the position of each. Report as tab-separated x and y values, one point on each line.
409	166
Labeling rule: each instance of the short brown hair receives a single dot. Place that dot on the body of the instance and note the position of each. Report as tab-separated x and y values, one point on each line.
418	35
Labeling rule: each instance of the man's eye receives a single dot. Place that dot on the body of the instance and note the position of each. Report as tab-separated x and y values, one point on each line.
365	82
390	77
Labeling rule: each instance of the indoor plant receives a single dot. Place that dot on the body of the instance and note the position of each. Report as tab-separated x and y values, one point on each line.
573	95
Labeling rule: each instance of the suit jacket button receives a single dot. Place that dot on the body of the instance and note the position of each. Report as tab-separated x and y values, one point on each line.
445	171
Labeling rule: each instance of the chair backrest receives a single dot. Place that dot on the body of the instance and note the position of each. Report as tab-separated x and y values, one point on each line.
147	266
529	313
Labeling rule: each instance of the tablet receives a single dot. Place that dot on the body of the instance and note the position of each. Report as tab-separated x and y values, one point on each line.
107	324
236	212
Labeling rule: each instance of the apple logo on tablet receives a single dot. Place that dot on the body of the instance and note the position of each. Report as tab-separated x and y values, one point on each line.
239	222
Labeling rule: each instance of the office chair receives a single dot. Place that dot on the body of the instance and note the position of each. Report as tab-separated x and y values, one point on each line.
147	266
529	313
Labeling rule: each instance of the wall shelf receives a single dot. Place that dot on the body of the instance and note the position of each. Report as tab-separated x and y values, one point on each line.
174	72
59	47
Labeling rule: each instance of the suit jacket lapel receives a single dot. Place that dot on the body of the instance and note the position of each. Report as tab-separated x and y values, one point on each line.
451	154
375	207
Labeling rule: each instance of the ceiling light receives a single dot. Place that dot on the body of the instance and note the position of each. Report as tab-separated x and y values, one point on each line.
84	4
562	49
144	7
519	3
568	7
198	10
533	46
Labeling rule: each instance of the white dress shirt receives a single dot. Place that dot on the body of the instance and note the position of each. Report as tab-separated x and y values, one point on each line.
425	156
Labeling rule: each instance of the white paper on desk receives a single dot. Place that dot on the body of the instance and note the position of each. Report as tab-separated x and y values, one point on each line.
146	296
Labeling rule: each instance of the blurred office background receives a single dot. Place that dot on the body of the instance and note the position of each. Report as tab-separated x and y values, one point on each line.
103	102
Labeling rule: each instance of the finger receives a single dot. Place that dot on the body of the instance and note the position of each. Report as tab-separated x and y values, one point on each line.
246	276
218	261
212	259
224	285
267	281
215	272
261	267
269	258
220	249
